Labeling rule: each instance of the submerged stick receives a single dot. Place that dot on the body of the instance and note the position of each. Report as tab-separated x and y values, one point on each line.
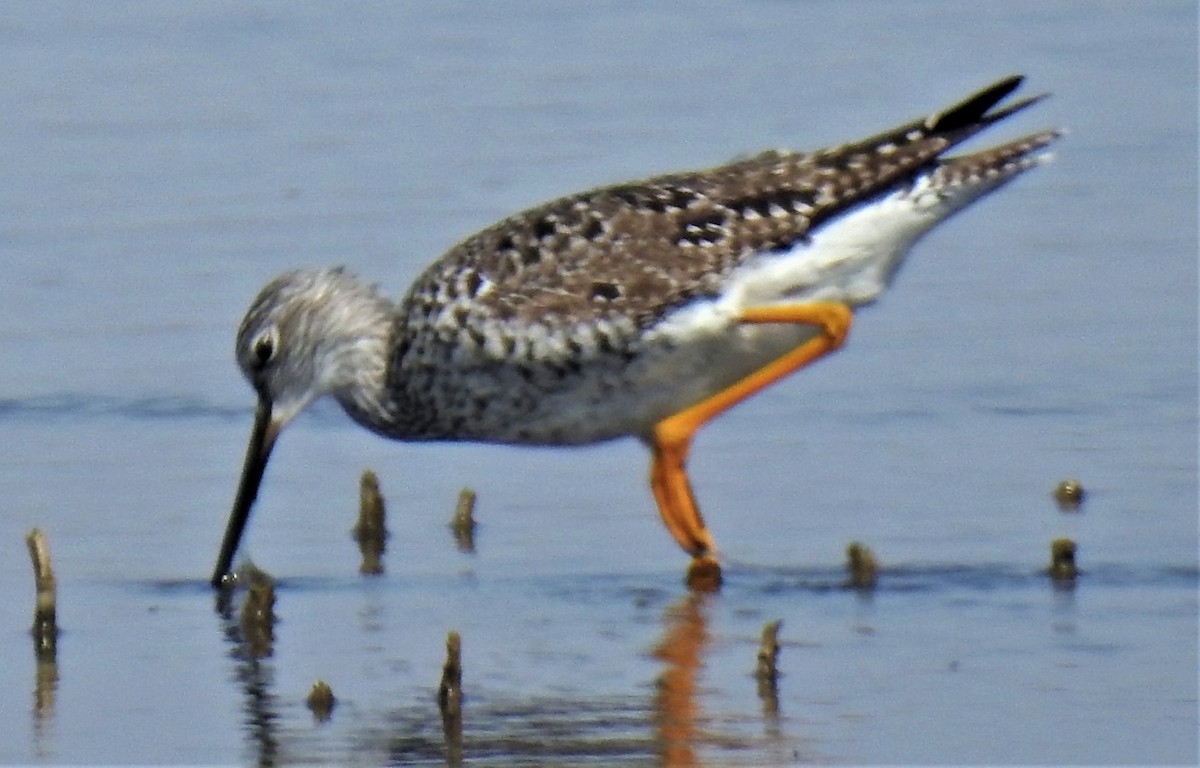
450	690
1062	562
371	530
45	626
45	611
862	565
462	524
766	671
450	699
321	701
1069	495
45	687
257	617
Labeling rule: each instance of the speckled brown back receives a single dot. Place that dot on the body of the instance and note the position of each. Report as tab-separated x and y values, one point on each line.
639	249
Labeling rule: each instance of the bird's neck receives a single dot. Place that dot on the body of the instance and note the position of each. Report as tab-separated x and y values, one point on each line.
358	359
365	397
385	396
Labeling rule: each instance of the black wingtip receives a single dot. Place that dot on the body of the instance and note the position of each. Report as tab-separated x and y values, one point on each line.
973	110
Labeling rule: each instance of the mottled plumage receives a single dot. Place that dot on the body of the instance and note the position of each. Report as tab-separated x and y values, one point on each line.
605	313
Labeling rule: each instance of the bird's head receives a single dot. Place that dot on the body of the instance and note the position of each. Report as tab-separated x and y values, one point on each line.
308	333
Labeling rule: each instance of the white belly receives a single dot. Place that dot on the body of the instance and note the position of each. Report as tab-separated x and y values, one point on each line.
705	349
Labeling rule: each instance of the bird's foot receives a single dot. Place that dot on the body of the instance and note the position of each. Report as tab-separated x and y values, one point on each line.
704	574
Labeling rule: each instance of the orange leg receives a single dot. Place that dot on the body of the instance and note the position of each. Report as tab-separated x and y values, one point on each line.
672	437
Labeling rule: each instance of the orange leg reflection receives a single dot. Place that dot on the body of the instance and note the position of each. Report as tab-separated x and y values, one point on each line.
681	649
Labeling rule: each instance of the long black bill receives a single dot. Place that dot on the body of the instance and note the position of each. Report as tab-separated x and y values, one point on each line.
262	438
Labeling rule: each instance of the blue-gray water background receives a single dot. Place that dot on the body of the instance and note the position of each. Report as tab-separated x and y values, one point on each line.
162	160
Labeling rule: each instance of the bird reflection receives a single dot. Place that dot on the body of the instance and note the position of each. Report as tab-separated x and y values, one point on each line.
667	726
250	633
681	649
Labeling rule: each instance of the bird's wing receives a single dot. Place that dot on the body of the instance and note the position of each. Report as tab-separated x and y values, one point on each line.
638	250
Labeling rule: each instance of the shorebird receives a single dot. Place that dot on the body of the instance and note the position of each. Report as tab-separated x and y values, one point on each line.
643	309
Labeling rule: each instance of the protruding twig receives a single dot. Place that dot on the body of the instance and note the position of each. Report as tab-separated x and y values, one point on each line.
766	671
45	611
257	617
450	690
371	529
1069	495
1062	562
450	699
462	524
321	701
862	566
45	626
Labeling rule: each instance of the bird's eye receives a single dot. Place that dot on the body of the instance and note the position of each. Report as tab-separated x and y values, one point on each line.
264	346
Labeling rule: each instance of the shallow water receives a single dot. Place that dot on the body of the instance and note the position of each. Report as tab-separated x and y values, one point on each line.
163	160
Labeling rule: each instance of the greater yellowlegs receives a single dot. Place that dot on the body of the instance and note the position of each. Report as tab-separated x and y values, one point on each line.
643	309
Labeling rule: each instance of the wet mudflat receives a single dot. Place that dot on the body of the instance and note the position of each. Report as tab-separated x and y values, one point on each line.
165	160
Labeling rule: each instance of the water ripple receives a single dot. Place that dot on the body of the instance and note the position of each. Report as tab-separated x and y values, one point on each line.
983	577
75	406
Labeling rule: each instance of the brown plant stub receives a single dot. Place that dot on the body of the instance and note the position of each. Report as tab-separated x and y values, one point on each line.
462	524
1069	495
321	701
1062	561
450	699
45	611
257	617
371	529
766	671
862	565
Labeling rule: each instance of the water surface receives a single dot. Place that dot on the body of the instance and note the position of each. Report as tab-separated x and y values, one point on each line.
162	161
